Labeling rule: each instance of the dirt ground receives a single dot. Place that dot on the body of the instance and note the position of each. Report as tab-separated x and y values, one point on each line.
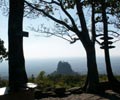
108	95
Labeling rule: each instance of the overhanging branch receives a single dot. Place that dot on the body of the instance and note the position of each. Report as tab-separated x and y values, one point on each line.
49	16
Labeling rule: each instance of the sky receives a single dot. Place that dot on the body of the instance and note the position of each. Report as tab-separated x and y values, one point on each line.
41	47
53	47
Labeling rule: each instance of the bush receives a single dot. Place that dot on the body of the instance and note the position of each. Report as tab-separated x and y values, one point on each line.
62	81
3	82
58	80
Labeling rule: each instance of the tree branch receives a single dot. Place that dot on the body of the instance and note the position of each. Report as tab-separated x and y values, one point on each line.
69	16
51	17
98	42
71	40
52	1
117	34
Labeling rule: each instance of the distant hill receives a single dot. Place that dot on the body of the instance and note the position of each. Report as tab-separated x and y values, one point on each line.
64	68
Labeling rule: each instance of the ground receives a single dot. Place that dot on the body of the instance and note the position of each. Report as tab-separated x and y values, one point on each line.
109	95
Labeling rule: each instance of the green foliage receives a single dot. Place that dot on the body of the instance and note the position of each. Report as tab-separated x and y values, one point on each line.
3	53
103	78
58	80
65	81
32	79
118	77
43	81
3	82
68	4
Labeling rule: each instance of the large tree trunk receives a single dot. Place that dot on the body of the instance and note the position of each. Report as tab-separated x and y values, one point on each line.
17	72
92	82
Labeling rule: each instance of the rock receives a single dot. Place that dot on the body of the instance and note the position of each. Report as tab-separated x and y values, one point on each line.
64	68
75	90
60	91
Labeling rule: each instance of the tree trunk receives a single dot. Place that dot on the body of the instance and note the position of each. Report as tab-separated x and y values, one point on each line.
92	77
17	72
108	66
114	83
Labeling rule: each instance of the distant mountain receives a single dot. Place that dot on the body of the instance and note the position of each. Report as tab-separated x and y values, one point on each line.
64	68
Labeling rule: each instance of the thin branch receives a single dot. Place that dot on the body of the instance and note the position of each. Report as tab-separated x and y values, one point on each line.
98	21
49	34
99	35
98	42
52	2
117	34
116	40
57	36
28	12
74	40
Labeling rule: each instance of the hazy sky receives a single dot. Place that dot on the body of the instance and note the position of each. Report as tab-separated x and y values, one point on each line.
42	47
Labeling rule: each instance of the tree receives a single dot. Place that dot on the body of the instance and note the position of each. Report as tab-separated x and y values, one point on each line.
17	73
106	12
113	81
79	28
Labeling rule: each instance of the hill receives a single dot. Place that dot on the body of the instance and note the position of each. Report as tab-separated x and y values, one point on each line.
64	68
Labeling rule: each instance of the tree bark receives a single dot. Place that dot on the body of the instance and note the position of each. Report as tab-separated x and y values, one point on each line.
92	81
17	72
